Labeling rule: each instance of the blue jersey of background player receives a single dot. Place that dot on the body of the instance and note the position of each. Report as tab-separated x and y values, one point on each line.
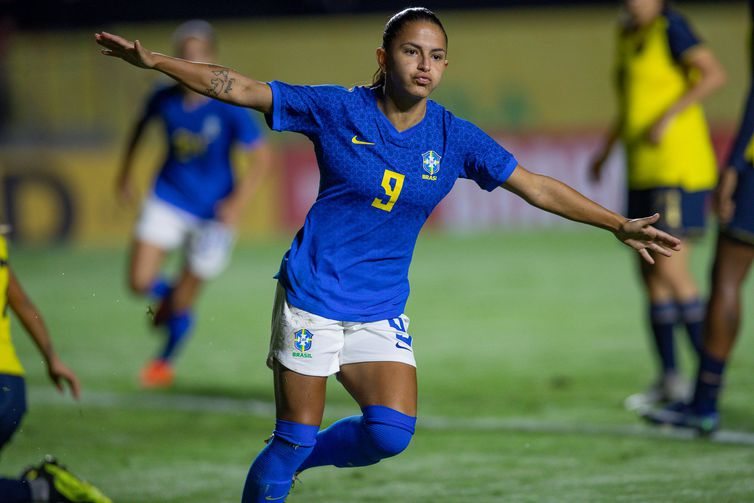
195	200
387	155
734	203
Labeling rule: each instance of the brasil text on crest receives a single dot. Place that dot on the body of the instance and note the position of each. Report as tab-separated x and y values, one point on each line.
431	165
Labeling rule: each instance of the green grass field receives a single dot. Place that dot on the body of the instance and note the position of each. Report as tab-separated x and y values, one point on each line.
527	344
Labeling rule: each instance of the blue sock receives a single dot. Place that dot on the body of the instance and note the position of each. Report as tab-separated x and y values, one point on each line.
160	288
709	380
271	473
178	326
663	317
15	491
692	315
379	433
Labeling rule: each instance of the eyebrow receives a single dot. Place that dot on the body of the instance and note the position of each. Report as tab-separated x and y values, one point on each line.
412	44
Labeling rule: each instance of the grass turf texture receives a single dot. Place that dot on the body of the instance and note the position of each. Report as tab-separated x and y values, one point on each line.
540	333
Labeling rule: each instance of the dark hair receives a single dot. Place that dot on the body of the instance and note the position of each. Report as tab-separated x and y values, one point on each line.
394	26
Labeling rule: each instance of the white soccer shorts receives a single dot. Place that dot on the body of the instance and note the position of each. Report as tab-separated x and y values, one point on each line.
317	346
208	242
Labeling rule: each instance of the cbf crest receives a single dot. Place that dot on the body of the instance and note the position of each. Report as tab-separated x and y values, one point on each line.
431	165
302	343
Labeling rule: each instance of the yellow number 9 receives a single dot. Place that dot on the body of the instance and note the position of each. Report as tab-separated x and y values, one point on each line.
392	182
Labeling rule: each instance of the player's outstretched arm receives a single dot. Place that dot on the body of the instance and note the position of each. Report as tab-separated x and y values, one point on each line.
556	197
211	80
32	321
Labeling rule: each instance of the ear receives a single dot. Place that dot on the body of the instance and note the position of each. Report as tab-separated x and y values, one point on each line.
381	58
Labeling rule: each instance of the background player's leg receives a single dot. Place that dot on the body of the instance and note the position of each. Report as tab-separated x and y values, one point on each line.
677	273
387	395
144	268
731	266
176	312
663	315
300	403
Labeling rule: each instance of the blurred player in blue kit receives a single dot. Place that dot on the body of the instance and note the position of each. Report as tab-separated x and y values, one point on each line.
195	201
387	156
663	71
734	203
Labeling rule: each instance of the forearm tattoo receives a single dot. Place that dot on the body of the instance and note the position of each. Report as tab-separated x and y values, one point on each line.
221	82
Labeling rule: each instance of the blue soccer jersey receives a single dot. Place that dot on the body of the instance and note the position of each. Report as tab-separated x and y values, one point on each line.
350	260
197	171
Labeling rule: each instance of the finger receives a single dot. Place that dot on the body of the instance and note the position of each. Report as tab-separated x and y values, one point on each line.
646	256
667	240
74	384
660	249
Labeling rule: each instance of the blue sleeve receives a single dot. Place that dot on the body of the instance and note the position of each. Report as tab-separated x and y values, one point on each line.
737	158
246	132
303	109
681	37
486	161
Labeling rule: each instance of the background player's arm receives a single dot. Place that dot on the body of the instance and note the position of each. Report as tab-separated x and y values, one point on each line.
556	197
259	160
124	186
711	76
32	321
598	163
210	80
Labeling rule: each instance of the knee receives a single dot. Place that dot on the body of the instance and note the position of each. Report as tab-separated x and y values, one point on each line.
389	431
139	285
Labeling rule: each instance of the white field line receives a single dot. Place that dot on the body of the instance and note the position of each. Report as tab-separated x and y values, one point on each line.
258	408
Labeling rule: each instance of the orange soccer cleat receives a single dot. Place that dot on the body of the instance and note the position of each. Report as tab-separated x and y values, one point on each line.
157	374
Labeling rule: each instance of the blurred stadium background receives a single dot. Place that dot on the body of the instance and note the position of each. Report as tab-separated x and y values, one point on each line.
530	325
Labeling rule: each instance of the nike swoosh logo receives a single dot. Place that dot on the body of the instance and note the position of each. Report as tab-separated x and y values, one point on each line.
270	498
356	141
398	345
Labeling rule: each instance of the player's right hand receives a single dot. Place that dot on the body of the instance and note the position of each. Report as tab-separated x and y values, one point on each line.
59	373
130	52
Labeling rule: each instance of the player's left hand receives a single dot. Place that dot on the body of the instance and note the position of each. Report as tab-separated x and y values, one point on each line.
657	131
59	373
642	237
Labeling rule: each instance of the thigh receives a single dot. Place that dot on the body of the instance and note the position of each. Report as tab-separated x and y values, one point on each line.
391	384
732	263
144	264
12	405
298	397
378	365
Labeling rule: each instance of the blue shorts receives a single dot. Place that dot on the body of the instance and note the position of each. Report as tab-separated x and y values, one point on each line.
682	213
741	226
12	405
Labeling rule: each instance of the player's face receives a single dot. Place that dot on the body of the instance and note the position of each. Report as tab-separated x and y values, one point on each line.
416	59
643	12
197	49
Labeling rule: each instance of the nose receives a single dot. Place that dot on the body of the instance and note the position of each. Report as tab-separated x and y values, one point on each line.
424	64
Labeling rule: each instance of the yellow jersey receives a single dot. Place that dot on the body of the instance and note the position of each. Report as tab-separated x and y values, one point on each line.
650	79
9	362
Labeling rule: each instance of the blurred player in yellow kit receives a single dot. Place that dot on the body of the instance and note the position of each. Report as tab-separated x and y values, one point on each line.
663	72
48	481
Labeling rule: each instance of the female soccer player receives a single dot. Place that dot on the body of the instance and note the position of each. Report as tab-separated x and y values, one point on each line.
195	201
663	72
38	483
734	202
387	155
